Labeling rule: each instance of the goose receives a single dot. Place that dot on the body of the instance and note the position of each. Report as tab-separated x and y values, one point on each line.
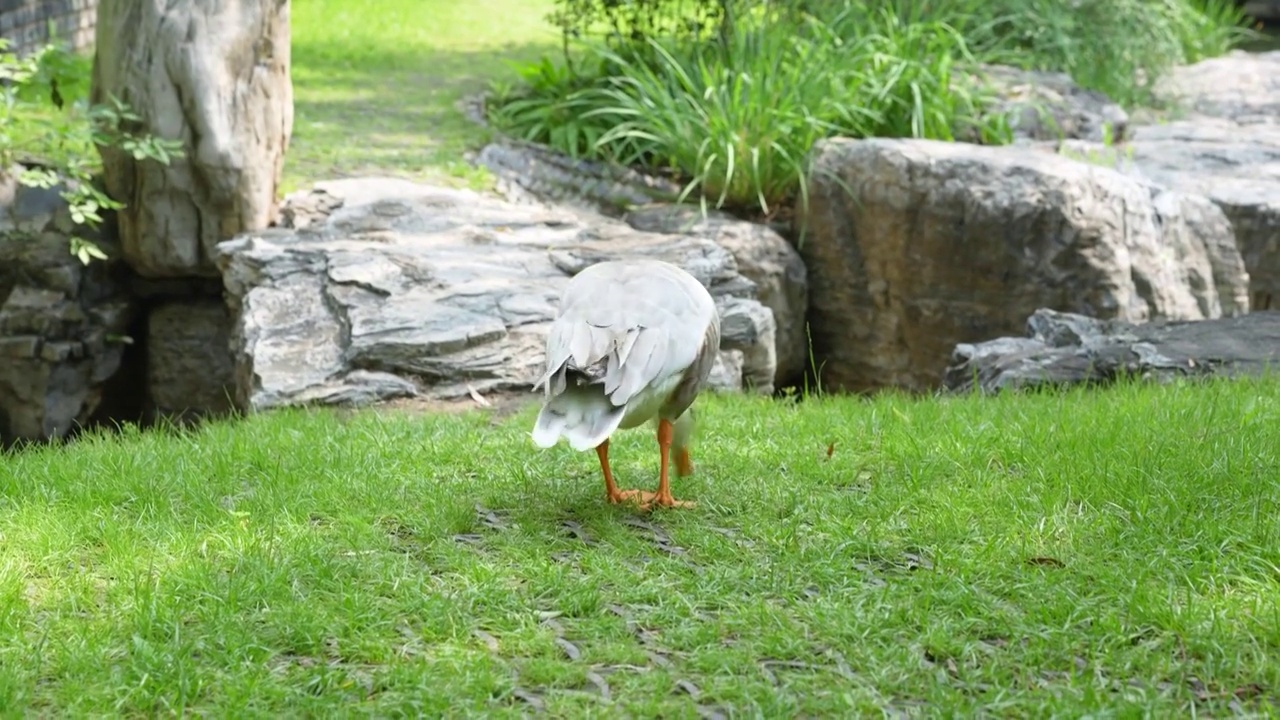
632	341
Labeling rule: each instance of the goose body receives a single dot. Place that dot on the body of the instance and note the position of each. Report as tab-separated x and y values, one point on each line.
633	341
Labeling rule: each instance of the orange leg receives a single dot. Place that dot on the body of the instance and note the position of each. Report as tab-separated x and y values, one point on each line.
611	490
663	497
684	465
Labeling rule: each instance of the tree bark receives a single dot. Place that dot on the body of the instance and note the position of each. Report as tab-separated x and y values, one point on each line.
213	74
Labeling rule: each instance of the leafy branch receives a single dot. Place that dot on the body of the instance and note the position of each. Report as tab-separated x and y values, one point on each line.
57	141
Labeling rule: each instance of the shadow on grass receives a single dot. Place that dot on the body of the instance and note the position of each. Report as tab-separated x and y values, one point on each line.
358	111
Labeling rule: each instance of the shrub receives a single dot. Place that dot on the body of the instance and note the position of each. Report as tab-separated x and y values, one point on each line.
734	99
737	117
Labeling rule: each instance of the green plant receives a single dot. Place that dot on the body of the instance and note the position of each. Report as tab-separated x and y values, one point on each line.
737	117
46	125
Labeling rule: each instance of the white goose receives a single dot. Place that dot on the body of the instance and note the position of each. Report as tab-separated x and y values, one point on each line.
633	341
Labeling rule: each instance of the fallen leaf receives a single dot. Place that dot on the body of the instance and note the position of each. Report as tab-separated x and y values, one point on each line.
533	699
658	659
578	532
477	397
1046	561
491	519
601	685
1252	690
831	448
490	641
917	562
688	688
569	649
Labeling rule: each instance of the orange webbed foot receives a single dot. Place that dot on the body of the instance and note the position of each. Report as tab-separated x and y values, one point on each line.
639	497
658	500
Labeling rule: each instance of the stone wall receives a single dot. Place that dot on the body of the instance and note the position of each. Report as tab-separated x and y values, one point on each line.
25	23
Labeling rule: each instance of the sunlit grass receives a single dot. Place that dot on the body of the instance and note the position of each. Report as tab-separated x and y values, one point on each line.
1113	551
377	83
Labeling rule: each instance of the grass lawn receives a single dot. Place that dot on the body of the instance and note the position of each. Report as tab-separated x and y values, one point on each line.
1114	552
377	82
1111	551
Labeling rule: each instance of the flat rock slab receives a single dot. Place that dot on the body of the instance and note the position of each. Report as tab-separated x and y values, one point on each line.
397	289
1069	349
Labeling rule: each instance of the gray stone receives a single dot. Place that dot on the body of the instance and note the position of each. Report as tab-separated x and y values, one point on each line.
62	323
1051	106
1225	146
1238	168
190	371
531	173
1243	87
1067	349
407	289
916	245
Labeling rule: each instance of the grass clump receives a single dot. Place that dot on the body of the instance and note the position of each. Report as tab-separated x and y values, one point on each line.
1079	553
733	101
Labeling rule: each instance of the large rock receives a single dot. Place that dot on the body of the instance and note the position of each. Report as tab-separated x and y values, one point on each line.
1067	349
406	289
1043	106
1240	86
63	324
1224	145
190	369
914	246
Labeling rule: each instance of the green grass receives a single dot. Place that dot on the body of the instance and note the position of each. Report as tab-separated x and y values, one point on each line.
377	83
1110	552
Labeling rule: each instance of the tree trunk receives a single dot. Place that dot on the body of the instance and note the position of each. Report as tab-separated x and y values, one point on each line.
213	74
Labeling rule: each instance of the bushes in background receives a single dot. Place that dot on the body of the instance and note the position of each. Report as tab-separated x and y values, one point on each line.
732	94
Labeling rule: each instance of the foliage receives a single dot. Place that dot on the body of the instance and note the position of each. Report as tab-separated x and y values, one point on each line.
736	108
1099	553
737	117
637	21
46	124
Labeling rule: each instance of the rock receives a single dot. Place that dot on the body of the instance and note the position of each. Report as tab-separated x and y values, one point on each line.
407	289
1067	349
1243	87
1228	150
62	323
531	173
228	99
304	209
1051	106
190	371
764	257
1268	10
1226	147
914	246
